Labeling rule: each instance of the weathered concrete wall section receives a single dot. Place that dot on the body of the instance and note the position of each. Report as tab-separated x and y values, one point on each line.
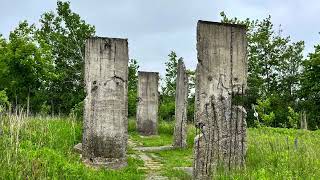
105	114
180	130
303	120
221	76
147	110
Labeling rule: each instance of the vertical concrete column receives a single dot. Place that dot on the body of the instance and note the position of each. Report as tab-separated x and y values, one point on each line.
303	120
105	131
147	110
180	130
221	81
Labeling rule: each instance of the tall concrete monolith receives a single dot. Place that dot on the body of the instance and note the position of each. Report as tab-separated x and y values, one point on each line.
303	120
105	131
180	130
221	81
147	109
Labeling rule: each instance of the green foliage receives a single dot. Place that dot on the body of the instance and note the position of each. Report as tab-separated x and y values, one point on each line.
25	67
310	88
165	130
132	87
265	111
45	109
131	125
77	110
43	149
167	97
4	103
169	88
274	68
167	110
45	66
273	153
64	34
192	80
293	118
190	109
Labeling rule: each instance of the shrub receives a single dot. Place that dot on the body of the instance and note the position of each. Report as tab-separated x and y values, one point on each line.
132	103
293	117
4	103
77	110
265	111
167	111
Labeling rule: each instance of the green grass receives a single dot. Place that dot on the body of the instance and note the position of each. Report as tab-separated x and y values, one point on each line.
165	130
273	153
41	148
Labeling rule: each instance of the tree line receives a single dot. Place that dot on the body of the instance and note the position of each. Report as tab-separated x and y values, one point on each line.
42	69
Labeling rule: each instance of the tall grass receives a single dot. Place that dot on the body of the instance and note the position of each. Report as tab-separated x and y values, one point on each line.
34	148
273	153
282	153
42	148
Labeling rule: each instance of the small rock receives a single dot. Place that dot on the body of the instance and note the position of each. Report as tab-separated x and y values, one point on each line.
154	149
188	170
78	148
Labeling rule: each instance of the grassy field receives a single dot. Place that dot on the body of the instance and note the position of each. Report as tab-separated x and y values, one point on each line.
41	148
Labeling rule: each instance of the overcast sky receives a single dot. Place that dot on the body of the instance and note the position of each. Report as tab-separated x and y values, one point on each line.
155	27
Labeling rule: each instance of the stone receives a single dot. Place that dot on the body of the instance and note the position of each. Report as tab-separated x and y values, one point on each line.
221	81
156	177
105	131
188	170
180	130
78	148
147	108
154	148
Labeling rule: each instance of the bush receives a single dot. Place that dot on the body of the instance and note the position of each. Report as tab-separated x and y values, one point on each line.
293	118
265	112
77	110
190	110
132	103
45	109
4	103
167	111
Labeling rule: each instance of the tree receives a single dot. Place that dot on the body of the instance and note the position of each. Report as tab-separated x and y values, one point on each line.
169	87
167	96
3	64
274	67
310	88
64	33
132	87
26	66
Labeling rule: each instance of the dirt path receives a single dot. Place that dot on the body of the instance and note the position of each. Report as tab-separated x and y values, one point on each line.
151	164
